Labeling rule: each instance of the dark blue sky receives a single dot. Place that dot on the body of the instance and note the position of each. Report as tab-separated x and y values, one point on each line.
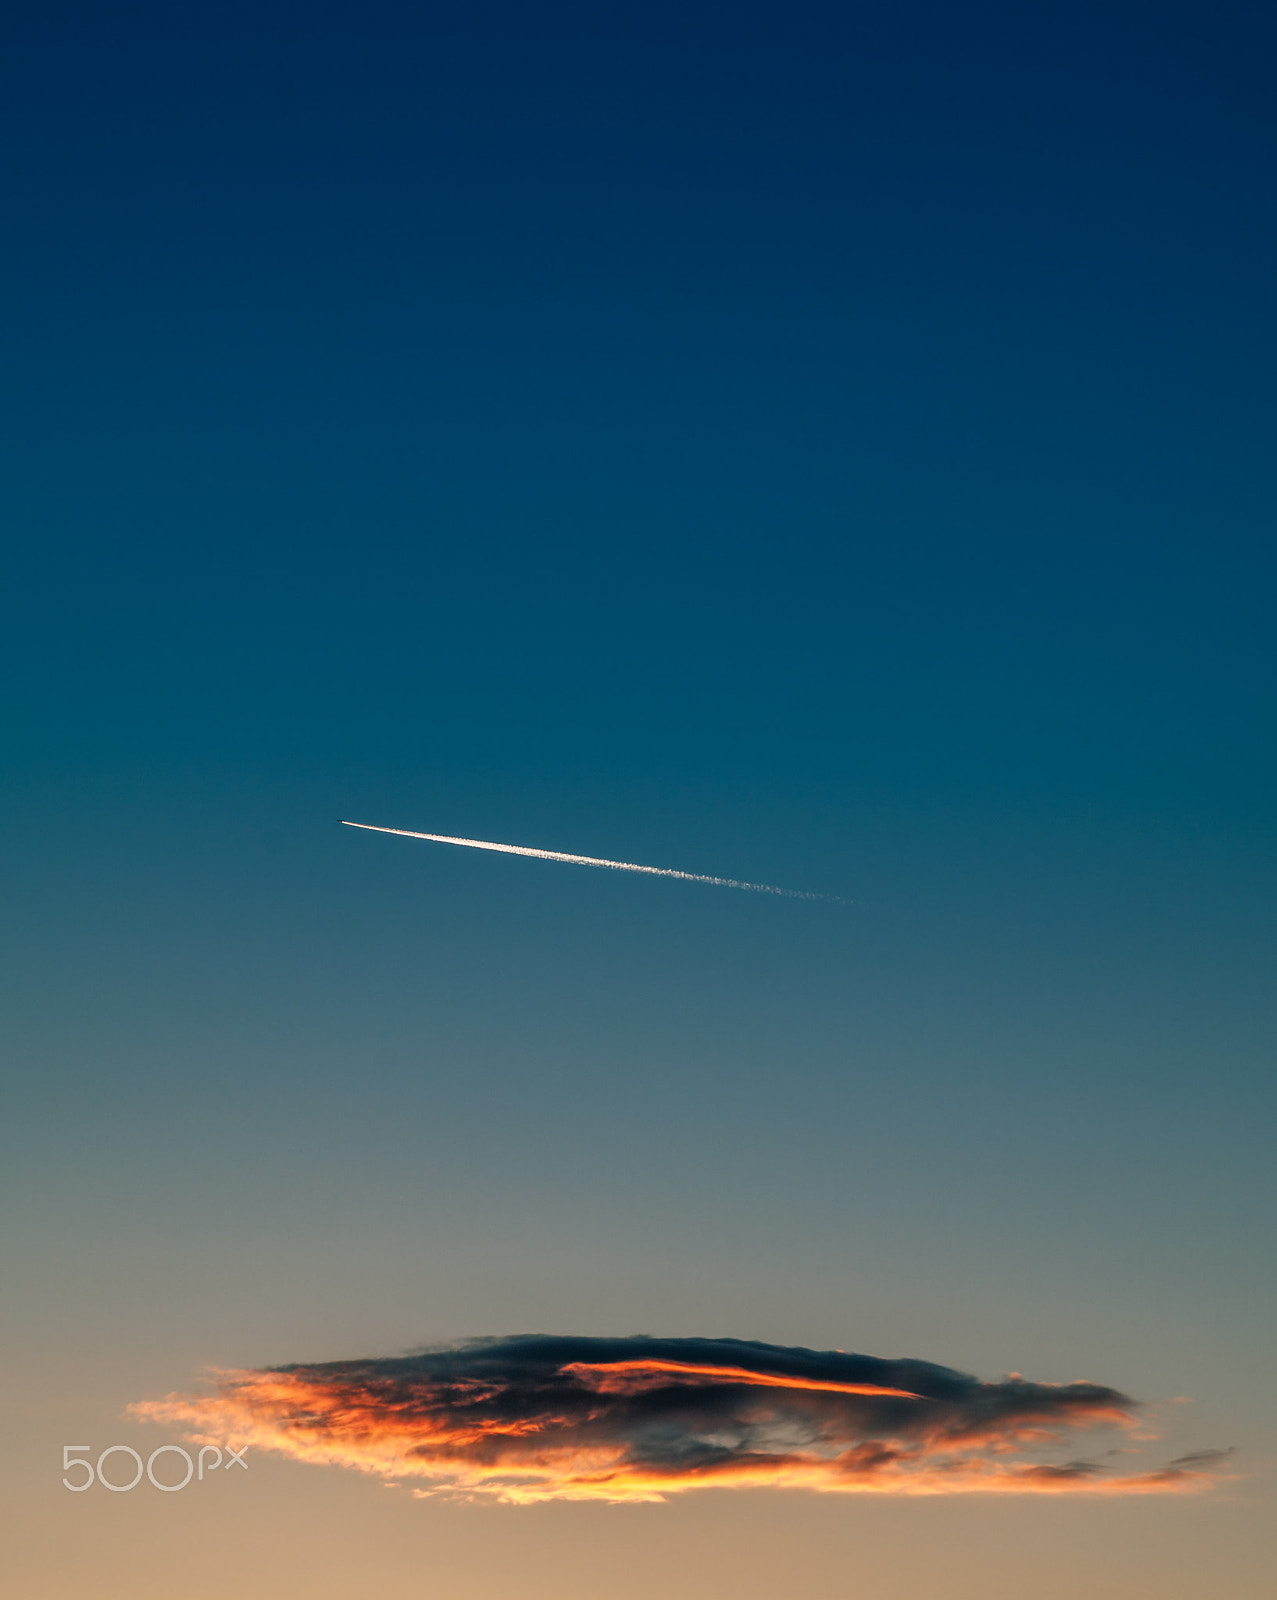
800	394
820	445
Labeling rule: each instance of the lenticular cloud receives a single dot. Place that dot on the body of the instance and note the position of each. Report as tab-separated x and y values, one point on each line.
549	1418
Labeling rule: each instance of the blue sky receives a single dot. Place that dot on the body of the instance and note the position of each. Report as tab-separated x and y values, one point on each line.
812	445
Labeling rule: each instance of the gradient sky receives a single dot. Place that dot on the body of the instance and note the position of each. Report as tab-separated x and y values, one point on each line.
826	446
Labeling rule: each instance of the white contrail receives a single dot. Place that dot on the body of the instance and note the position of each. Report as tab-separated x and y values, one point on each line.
590	861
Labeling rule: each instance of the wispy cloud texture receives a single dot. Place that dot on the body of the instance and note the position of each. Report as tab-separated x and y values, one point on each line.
539	1418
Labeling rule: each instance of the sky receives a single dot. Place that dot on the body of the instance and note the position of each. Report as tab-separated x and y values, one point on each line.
824	447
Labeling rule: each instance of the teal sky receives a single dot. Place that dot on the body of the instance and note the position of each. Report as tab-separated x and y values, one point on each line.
807	445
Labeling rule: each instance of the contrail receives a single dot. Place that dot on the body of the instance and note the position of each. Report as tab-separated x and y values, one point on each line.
592	861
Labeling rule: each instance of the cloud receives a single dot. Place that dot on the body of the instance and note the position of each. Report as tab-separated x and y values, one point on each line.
1196	1459
541	1417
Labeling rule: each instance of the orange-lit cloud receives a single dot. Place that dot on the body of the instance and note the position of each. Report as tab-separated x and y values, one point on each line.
636	1377
542	1418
